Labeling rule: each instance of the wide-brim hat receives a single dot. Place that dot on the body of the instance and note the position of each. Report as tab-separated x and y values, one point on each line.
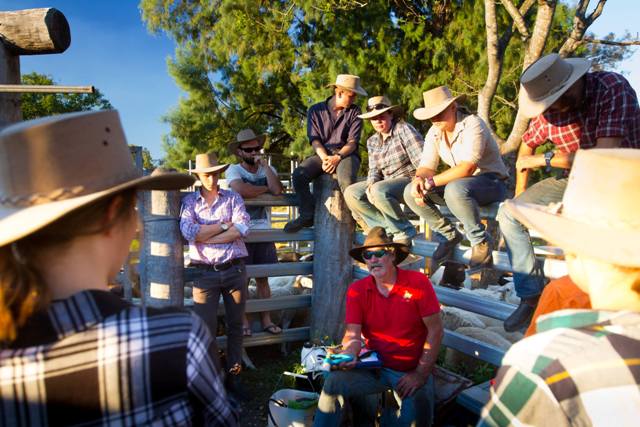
378	237
52	166
598	216
546	80
208	163
377	105
245	135
436	100
349	82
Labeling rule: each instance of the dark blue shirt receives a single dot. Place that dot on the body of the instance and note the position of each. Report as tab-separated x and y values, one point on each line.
331	130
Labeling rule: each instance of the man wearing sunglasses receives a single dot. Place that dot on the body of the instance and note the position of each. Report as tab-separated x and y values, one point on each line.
398	314
333	129
575	110
250	178
394	155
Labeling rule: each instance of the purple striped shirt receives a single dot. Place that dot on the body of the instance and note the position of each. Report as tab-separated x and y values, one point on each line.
195	212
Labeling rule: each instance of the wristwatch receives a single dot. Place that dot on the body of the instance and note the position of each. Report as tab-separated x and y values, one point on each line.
547	160
224	226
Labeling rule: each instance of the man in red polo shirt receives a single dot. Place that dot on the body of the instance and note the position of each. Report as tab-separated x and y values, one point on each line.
398	314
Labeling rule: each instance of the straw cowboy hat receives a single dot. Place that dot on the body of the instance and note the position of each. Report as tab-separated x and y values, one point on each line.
435	102
245	135
598	216
378	237
208	163
350	83
377	105
544	82
52	166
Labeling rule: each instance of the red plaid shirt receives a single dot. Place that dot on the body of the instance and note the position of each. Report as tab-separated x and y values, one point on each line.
610	109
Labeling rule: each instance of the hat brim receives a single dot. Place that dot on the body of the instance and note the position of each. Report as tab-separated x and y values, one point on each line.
592	239
530	108
401	251
232	147
21	222
376	113
359	90
426	113
217	168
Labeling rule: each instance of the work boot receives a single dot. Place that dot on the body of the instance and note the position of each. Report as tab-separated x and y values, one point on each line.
444	251
298	224
482	255
521	317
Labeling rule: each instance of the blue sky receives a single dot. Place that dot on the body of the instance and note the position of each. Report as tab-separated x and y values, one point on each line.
112	50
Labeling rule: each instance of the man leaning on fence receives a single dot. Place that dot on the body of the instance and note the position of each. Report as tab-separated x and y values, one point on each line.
333	129
214	221
574	110
398	314
250	178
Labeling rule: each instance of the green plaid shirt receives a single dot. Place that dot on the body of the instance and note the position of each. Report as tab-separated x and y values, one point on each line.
582	368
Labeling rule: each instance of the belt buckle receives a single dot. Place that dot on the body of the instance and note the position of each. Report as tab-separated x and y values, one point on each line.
222	266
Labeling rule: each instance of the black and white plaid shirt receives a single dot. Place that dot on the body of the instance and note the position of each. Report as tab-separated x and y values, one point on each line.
93	359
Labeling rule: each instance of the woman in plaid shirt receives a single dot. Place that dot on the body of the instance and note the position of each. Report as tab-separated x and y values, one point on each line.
71	352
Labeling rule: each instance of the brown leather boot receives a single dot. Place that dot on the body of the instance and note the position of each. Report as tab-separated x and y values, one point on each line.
481	255
522	315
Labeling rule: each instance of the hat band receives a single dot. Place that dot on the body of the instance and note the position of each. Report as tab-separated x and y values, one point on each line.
33	199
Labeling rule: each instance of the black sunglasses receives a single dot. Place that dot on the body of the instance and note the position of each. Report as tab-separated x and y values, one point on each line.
379	106
251	149
378	254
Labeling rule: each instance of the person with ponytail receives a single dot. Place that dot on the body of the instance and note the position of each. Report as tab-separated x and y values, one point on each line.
71	352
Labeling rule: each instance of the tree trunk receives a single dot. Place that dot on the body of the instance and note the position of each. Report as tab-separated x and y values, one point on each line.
35	31
332	265
161	252
9	74
580	25
494	60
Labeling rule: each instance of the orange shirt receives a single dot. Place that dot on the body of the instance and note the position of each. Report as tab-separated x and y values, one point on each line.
559	294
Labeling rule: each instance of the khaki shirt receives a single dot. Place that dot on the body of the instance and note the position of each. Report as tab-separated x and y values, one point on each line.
471	142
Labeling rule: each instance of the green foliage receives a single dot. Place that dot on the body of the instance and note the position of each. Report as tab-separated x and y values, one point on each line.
251	63
36	105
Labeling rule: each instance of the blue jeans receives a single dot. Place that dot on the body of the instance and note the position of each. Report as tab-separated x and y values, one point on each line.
528	277
384	209
356	383
462	196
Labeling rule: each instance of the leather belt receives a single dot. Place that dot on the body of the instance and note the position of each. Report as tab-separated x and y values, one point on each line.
218	267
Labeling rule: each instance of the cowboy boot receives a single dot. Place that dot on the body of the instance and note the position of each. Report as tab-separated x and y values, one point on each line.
522	315
444	251
482	255
298	224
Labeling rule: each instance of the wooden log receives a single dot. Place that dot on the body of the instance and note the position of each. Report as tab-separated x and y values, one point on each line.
10	111
161	255
35	31
332	272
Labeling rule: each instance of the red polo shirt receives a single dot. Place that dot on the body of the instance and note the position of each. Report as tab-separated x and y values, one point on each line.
393	325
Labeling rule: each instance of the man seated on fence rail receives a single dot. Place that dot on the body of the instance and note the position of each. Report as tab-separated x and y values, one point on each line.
582	366
333	129
398	314
394	154
475	176
250	178
214	222
574	110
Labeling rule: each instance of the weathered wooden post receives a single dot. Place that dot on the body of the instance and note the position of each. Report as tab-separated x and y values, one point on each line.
27	32
161	251
332	265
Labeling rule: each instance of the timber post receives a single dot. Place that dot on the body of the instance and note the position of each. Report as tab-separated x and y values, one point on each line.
161	251
332	265
27	32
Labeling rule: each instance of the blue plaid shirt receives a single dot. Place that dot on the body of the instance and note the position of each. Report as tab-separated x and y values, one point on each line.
397	156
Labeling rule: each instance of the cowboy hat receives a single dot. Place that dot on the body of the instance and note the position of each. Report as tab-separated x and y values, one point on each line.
208	163
435	102
544	82
378	237
598	216
245	135
52	166
349	82
377	105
